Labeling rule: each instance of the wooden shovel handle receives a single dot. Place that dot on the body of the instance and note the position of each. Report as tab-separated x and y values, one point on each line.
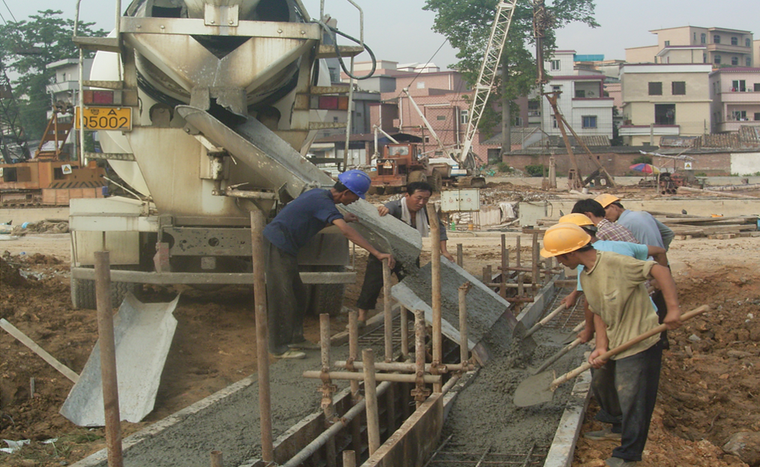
546	319
606	355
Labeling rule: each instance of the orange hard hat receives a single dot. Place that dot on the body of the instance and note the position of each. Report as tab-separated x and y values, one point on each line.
606	199
563	238
581	220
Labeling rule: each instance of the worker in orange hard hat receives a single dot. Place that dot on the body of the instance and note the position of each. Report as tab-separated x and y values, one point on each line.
616	295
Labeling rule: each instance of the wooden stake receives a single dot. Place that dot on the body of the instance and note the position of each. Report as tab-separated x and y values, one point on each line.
464	347
216	459
387	312
460	255
404	321
435	256
370	392
353	354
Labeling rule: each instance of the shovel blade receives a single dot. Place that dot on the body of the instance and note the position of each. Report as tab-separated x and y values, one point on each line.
527	344
535	390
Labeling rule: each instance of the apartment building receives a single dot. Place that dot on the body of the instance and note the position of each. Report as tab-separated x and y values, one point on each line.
582	100
735	94
692	44
664	100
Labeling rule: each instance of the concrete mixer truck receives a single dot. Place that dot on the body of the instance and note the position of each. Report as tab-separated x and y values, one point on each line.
218	105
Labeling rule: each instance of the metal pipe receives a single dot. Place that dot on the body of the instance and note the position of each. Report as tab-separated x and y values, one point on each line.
419	357
464	347
340	424
370	393
517	251
504	266
404	323
353	353
534	251
387	312
108	358
351	375
327	387
435	259
216	459
406	367
262	334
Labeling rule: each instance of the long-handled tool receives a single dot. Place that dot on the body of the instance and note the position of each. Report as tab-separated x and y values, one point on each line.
558	355
524	335
540	388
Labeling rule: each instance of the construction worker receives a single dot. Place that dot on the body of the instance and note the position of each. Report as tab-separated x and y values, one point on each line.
616	293
411	210
605	230
648	231
288	232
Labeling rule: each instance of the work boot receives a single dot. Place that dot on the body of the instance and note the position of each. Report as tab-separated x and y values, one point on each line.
618	462
605	433
290	354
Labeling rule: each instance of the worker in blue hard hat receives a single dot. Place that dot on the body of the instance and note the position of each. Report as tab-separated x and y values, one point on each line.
288	232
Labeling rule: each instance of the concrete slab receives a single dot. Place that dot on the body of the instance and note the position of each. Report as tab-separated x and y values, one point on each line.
143	334
489	322
386	233
563	446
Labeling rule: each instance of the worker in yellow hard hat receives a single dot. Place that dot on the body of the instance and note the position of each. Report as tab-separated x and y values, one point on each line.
615	290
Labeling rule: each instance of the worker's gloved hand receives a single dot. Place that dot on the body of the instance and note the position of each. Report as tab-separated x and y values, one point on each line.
382	210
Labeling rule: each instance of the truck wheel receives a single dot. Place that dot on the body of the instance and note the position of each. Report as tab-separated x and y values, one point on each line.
417	176
436	181
83	293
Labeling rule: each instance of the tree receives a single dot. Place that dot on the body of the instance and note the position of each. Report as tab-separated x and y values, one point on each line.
26	47
467	25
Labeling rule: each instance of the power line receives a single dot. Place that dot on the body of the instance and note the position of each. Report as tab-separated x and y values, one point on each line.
9	11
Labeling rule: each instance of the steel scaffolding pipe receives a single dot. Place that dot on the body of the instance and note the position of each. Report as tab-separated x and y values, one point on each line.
435	259
407	367
391	377
464	347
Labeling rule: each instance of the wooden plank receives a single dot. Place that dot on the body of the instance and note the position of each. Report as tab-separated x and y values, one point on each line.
417	438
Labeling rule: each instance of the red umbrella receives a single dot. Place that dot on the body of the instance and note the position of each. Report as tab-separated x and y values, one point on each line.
645	168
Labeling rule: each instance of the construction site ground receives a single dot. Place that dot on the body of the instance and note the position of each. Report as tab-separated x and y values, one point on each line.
708	390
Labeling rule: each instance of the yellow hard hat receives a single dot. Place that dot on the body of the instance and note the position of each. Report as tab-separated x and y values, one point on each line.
576	218
606	199
563	238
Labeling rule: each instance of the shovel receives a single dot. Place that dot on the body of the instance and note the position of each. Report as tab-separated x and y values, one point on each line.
540	388
574	333
558	355
520	328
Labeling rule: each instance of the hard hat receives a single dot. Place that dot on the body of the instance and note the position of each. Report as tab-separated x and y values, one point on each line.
563	238
606	199
581	220
357	181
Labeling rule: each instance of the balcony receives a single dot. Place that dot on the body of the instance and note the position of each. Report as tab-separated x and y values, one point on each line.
646	130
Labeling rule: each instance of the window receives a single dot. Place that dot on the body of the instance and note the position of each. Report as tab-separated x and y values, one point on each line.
589	121
757	116
703	38
554	121
665	114
704	58
757	87
740	115
678	88
667	43
464	117
716	59
734	41
738	85
556	65
655	88
734	60
747	43
716	39
748	61
440	117
580	93
518	121
557	89
695	37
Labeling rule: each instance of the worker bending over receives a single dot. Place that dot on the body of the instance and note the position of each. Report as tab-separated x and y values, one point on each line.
605	230
288	232
616	293
411	210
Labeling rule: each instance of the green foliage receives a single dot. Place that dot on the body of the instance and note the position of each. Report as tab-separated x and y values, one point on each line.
535	170
26	47
504	167
701	174
467	25
643	159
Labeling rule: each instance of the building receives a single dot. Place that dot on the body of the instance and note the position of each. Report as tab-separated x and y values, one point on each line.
65	88
664	100
692	44
582	100
735	94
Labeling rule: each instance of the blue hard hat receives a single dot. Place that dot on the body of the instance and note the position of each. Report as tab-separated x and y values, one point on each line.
357	181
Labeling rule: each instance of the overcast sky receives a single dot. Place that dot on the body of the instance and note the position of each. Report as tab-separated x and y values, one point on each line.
399	30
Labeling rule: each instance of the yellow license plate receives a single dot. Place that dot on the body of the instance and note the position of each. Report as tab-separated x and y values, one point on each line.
105	118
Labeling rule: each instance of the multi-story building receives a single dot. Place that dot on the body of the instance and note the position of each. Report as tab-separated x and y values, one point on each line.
692	44
735	94
582	100
664	100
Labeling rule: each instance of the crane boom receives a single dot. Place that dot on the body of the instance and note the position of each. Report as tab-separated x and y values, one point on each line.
487	76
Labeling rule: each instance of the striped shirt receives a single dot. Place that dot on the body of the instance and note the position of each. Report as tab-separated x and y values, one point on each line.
606	230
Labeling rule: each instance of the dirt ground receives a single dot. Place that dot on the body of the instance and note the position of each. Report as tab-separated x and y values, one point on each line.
708	390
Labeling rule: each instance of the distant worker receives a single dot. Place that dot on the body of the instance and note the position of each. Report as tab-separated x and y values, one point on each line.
605	230
616	293
411	210
288	232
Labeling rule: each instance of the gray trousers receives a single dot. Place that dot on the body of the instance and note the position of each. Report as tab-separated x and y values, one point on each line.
286	299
